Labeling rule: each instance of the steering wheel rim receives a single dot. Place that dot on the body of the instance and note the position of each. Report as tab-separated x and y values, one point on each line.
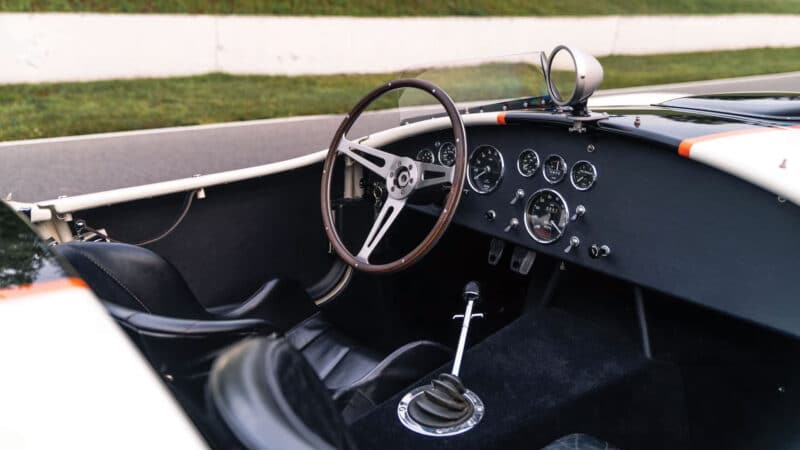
403	176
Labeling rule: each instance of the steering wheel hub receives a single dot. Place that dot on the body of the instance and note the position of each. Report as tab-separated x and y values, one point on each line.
404	175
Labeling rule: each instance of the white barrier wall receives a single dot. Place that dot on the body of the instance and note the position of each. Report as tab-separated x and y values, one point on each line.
58	47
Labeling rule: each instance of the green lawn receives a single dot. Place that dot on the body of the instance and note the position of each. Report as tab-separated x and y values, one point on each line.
411	7
57	109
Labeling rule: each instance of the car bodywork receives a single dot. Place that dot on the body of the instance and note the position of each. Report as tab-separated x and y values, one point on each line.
695	198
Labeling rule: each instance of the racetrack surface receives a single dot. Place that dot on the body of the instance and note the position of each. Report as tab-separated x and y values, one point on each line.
47	168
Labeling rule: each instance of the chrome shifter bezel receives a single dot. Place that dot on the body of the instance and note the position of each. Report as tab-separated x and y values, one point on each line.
405	418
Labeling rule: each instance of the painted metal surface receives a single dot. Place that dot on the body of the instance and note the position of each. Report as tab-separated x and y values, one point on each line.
71	378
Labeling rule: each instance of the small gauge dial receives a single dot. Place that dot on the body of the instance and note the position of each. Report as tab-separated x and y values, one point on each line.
447	154
426	155
485	169
554	169
583	175
546	216
528	163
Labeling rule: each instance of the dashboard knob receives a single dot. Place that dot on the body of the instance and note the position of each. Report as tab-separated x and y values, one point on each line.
519	195
512	224
573	242
599	251
580	210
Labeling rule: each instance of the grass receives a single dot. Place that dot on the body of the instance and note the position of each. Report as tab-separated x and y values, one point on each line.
410	7
57	109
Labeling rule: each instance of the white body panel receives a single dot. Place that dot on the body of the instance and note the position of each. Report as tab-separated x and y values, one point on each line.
768	158
70	378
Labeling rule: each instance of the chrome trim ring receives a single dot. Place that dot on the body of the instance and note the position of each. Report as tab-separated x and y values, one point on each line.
527	216
405	418
538	162
502	169
544	164
572	178
439	153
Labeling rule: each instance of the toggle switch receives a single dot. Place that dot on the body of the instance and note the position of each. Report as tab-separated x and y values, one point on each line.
519	195
573	243
512	224
580	210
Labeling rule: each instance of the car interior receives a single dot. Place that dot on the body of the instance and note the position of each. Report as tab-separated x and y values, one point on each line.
496	279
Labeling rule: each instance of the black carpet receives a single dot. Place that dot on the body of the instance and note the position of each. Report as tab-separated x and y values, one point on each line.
547	375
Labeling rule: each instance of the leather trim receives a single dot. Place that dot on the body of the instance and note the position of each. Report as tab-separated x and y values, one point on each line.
153	324
396	372
281	302
110	275
271	399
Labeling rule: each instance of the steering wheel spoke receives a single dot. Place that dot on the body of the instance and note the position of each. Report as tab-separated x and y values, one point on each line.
357	151
389	212
403	176
433	174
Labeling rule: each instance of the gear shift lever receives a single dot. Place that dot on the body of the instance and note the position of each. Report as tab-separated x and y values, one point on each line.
445	407
472	295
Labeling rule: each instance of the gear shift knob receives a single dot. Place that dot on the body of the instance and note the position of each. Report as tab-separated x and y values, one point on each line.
472	292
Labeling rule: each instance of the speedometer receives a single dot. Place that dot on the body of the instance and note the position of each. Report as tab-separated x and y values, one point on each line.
485	169
546	216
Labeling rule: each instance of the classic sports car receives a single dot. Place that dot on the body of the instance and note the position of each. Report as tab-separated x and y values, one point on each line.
536	271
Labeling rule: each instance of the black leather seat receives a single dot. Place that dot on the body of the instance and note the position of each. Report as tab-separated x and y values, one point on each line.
148	295
271	398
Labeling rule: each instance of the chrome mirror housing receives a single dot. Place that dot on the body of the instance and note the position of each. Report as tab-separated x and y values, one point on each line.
572	76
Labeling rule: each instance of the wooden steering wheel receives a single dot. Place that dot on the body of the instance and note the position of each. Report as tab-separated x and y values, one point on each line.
403	176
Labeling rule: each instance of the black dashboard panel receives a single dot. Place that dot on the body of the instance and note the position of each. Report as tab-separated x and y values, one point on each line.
672	224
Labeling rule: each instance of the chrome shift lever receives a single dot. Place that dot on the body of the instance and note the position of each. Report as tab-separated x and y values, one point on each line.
472	295
445	407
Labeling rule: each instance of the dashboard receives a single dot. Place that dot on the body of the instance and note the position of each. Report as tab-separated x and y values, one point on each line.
627	207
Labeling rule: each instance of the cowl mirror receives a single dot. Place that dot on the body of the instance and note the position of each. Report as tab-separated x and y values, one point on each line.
572	77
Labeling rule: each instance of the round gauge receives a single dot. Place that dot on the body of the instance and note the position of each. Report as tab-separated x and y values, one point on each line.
546	216
426	155
583	175
485	169
554	169
447	154
528	163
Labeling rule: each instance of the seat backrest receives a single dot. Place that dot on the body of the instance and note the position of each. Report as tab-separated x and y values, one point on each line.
133	277
271	398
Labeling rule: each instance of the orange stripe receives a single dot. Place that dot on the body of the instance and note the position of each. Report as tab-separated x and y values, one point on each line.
685	147
41	288
501	118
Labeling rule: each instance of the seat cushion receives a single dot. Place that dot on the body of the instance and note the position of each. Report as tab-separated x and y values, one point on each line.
270	398
133	277
357	377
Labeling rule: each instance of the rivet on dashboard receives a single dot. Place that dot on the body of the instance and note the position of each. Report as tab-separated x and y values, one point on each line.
590	148
781	199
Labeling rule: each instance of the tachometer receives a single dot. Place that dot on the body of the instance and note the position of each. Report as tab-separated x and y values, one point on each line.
583	175
554	169
447	154
546	216
426	155
528	163
485	169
